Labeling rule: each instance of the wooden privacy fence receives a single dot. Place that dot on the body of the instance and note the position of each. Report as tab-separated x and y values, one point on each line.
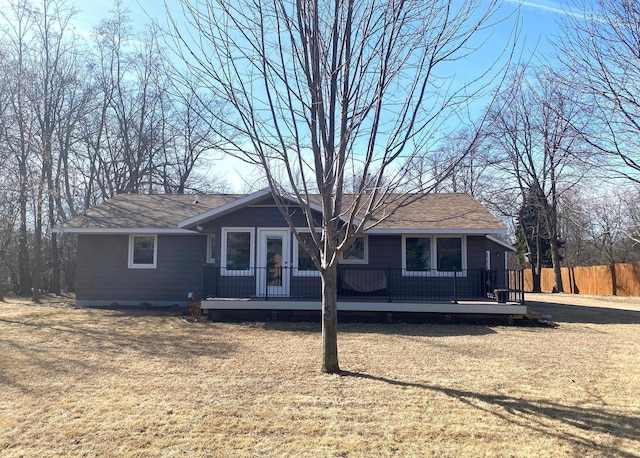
616	280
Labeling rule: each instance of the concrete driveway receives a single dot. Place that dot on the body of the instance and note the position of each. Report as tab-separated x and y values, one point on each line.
587	309
613	302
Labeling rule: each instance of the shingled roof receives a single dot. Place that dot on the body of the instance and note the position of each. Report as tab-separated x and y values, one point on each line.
166	212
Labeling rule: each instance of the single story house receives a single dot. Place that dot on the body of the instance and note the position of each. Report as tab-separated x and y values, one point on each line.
436	254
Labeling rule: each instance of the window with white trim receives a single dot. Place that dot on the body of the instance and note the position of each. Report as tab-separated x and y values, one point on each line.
211	248
417	254
143	251
449	254
303	265
237	251
433	255
357	253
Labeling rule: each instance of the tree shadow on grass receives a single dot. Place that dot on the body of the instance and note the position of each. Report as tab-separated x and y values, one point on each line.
400	329
109	335
534	414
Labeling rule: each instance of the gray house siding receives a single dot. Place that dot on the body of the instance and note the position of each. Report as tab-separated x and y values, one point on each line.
257	216
103	275
385	251
498	253
476	252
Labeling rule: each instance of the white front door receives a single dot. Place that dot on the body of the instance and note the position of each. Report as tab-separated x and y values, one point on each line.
273	270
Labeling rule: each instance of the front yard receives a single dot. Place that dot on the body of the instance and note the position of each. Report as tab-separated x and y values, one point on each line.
88	382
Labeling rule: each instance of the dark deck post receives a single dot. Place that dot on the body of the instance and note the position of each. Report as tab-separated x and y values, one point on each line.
455	287
216	279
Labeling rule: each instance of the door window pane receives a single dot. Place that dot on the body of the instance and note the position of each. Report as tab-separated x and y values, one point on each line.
274	261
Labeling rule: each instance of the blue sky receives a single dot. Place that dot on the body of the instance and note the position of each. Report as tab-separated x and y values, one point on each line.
538	21
538	16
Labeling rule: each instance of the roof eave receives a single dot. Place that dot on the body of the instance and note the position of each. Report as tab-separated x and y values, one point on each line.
122	230
500	242
437	231
243	202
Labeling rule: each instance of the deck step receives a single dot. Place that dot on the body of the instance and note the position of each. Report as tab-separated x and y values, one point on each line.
533	315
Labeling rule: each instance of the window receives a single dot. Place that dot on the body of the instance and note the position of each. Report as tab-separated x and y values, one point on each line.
424	255
417	254
211	248
237	251
302	262
357	252
143	250
449	251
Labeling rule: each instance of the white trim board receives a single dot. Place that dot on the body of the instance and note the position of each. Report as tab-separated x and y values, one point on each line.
483	307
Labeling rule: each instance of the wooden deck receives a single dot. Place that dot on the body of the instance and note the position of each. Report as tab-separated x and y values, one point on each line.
465	307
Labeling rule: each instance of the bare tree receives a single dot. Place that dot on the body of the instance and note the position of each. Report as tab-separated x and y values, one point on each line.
190	141
574	223
599	49
323	90
537	142
18	125
56	72
143	134
458	164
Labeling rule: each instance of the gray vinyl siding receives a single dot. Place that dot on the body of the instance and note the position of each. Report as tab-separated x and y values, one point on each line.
385	251
476	252
498	252
103	273
255	217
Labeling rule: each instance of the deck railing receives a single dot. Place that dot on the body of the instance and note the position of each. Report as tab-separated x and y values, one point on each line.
363	283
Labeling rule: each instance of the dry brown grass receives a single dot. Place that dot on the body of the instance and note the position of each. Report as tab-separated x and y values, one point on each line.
88	382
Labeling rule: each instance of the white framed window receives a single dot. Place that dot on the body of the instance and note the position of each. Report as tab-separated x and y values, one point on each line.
143	251
237	251
357	253
211	248
416	254
440	255
303	265
449	254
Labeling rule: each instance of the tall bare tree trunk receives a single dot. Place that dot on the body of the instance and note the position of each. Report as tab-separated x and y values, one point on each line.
24	276
536	269
614	279
557	267
330	320
37	249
